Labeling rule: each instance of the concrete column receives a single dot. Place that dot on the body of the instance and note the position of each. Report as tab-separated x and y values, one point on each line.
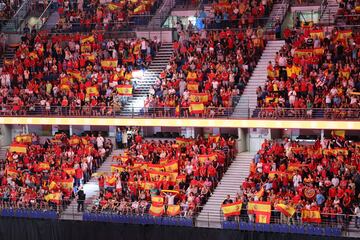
112	131
5	135
188	132
242	140
70	130
322	135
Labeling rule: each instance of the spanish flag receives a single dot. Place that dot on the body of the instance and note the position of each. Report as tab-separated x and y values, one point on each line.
196	108
8	62
70	171
213	138
124	90
147	185
110	180
184	141
12	172
92	91
202	158
67	184
172	176
319	33
75	74
53	185
303	52
311	216
171	166
157	201
53	197
140	9
89	57
140	165
88	39
115	168
318	51
24	138
85	47
295	166
33	56
161	175
343	34
199	97
259	206
260	193
65	87
193	86
286	210
75	140
44	166
231	209
84	141
113	6
173	210
338	133
212	156
263	217
18	148
155	167
156	211
109	64
345	73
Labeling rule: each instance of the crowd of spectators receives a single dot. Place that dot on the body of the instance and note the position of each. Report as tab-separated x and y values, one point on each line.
166	173
86	15
8	9
72	74
207	69
349	12
314	70
238	14
321	176
46	174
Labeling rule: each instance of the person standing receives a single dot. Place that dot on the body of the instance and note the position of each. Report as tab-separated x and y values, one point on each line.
81	199
119	138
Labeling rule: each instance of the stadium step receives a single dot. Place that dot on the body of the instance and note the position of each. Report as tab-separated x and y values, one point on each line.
329	15
91	190
230	184
258	78
143	85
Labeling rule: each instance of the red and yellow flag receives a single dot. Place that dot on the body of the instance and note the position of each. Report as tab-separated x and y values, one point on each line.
75	74
109	64
259	206
18	148
85	47
285	209
212	156
303	52
231	209
196	108
214	138
70	171
157	201
115	168
202	158
155	167
113	6
53	197
89	57
52	185
110	180
140	9
173	210
199	97
87	39
171	166
92	91
263	217
311	216
124	90
12	172
193	86
319	33
44	166
75	140
67	183
23	138
156	211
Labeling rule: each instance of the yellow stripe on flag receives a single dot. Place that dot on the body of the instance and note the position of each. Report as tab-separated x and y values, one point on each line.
125	90
231	209
173	210
156	211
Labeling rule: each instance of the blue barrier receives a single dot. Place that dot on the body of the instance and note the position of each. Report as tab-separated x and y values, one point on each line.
137	219
283	228
28	213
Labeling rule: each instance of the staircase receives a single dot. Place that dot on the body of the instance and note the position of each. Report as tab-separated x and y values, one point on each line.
230	184
91	190
143	85
3	151
162	13
248	99
329	15
278	12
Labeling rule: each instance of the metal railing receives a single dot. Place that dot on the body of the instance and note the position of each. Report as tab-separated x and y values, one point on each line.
15	22
181	112
45	15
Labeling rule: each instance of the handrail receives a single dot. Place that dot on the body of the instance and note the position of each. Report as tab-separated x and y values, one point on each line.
22	6
40	21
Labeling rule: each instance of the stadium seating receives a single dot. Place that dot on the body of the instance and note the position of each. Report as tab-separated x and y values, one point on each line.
163	178
40	179
312	77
